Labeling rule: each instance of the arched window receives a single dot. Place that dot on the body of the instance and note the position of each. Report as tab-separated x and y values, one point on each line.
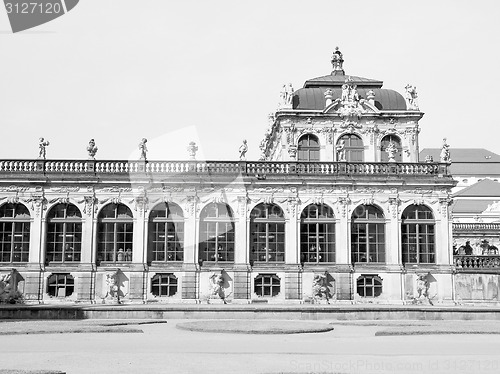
216	233
317	234
308	148
398	156
115	234
267	233
417	235
64	234
166	233
367	234
352	146
14	233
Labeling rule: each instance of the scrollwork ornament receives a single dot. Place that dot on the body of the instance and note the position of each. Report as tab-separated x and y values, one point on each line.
394	203
90	205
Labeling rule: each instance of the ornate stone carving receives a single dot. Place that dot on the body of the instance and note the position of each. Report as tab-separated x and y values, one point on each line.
242	206
191	203
342	205
140	203
9	290
14	189
391	151
90	204
92	149
192	148
286	97
38	202
411	97
320	289
143	149
445	153
394	203
243	150
217	286
290	132
444	203
337	61
292	151
42	145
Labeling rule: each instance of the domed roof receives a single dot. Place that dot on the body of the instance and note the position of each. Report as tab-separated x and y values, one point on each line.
312	95
313	98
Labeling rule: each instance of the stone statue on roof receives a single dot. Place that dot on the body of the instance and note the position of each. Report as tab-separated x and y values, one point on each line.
243	150
143	148
337	61
42	144
411	97
445	152
92	149
286	96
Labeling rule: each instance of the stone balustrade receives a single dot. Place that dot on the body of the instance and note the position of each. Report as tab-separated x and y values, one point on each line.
253	168
474	263
476	227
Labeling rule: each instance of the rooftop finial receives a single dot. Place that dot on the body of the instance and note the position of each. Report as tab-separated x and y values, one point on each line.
337	62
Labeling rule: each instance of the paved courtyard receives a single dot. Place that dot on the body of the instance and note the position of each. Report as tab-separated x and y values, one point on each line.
350	348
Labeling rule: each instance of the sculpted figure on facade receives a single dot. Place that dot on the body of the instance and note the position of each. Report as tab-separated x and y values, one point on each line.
337	60
217	286
243	150
143	148
445	152
320	290
8	288
391	151
286	96
411	97
192	148
42	145
423	285
340	148
112	286
92	149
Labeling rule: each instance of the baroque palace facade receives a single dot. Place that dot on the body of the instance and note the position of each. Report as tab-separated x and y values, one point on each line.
339	209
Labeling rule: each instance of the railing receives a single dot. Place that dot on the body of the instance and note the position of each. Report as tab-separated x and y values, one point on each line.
476	226
465	263
254	168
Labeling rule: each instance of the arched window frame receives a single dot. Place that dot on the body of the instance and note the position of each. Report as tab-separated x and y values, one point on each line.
166	233
308	148
64	234
15	225
267	233
353	152
217	233
368	234
418	235
317	234
115	234
384	142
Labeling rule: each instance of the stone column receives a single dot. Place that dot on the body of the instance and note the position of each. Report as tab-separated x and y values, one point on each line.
191	223
393	236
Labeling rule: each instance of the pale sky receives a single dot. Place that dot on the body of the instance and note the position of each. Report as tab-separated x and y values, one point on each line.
211	71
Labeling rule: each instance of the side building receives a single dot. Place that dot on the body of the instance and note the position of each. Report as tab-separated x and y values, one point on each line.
339	209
